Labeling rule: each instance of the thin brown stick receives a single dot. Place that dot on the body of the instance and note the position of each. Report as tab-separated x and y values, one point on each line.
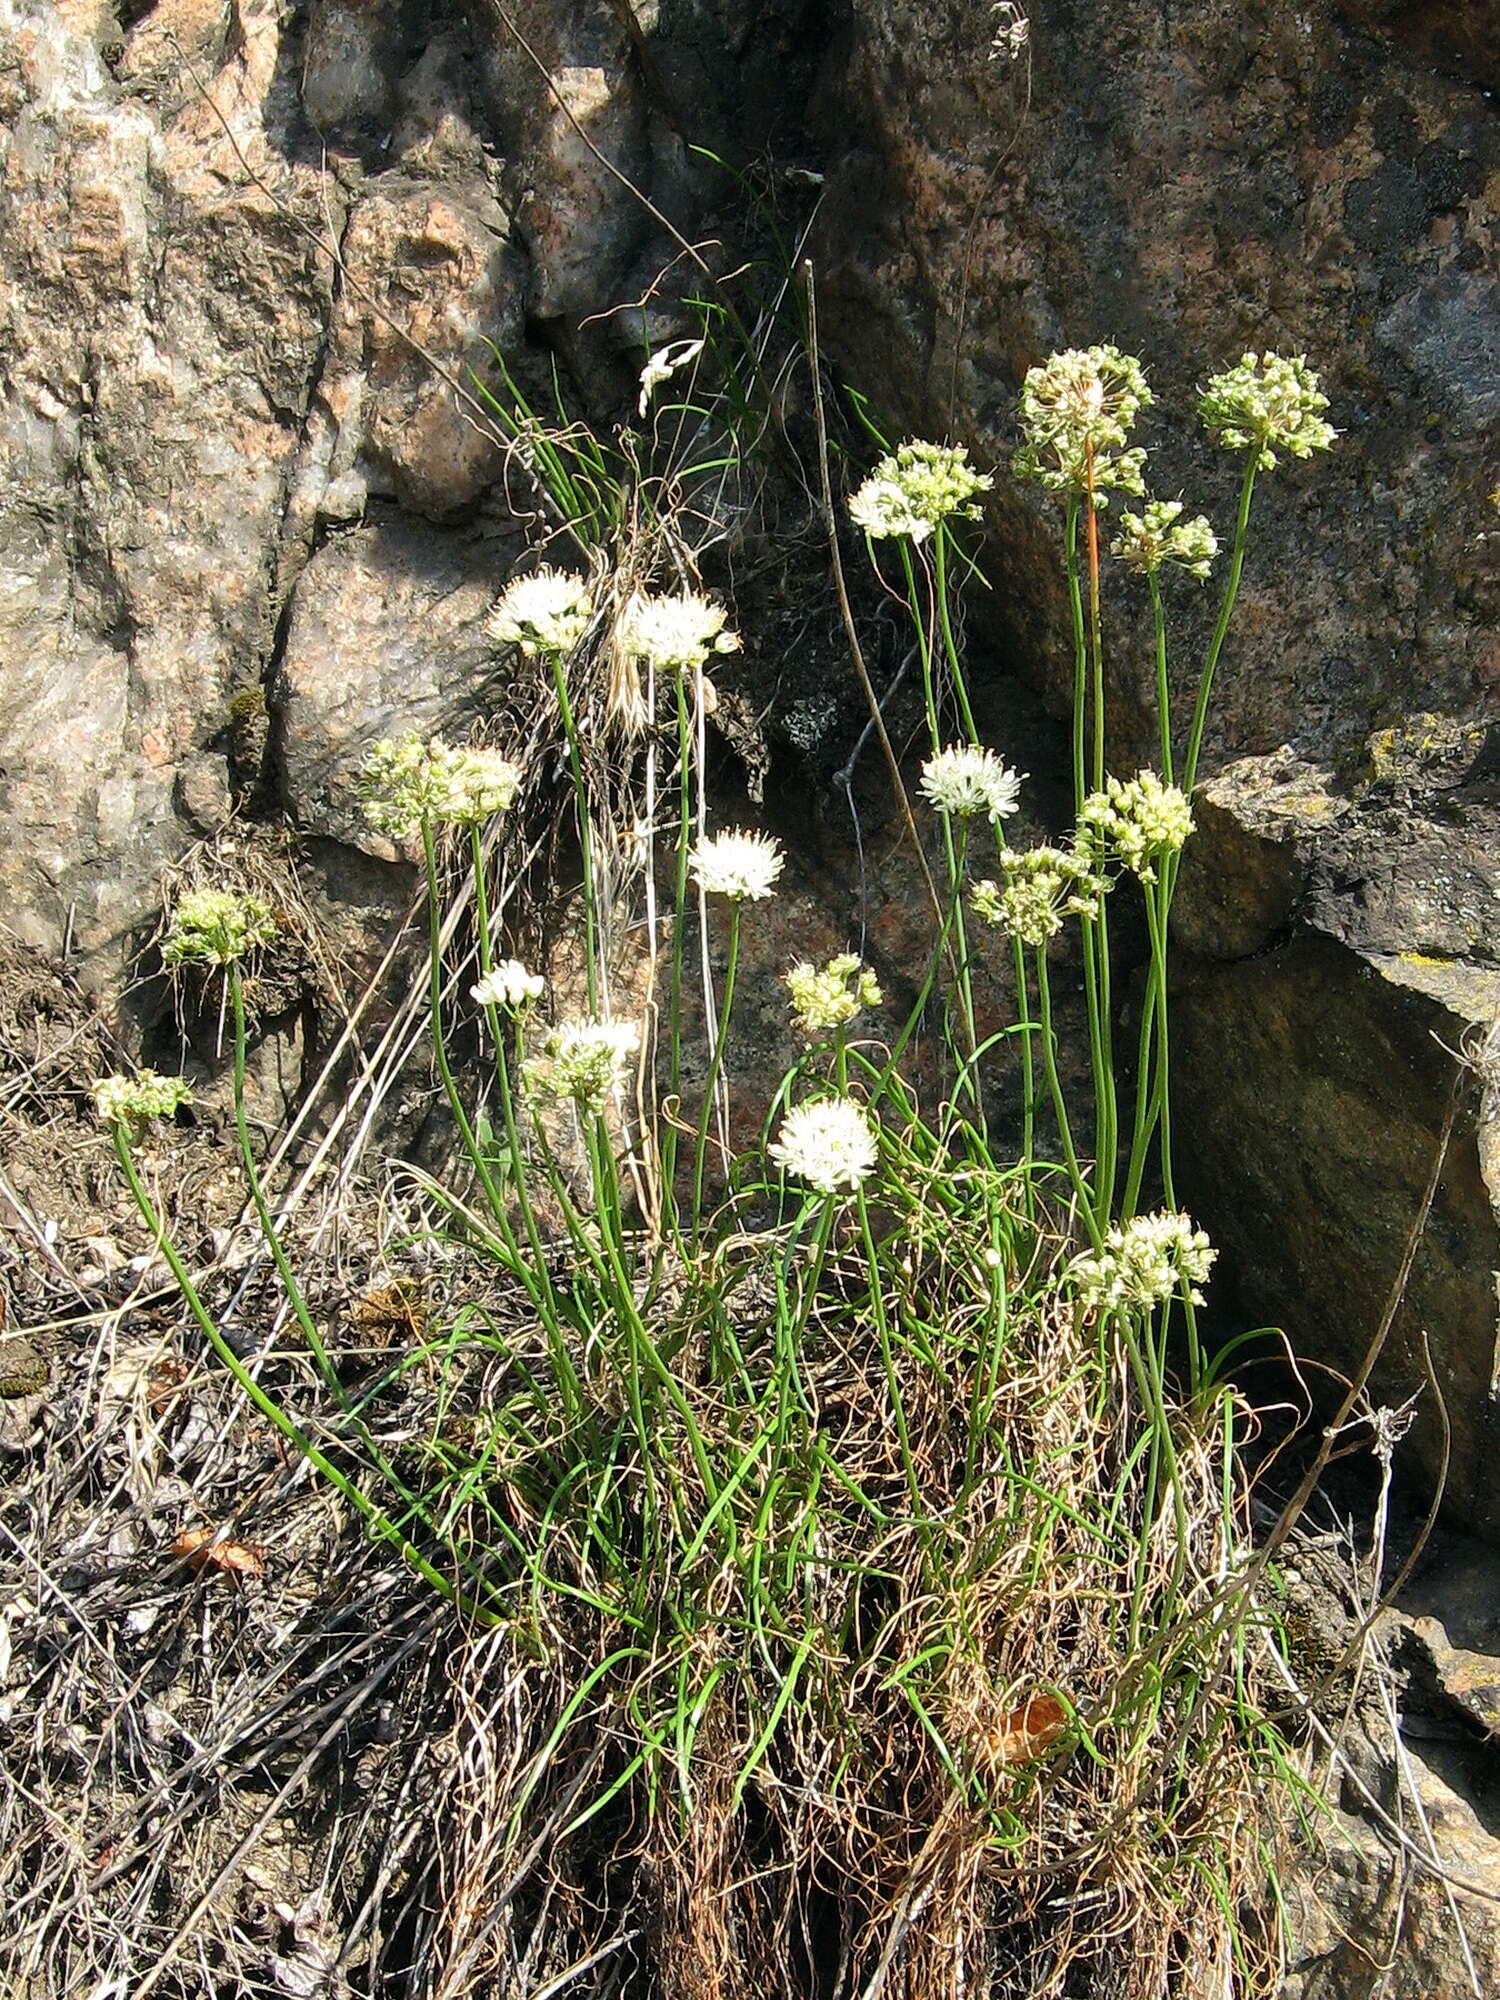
856	651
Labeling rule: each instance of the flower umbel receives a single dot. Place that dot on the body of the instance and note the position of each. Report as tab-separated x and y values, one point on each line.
585	1060
1268	403
1076	412
1037	890
406	782
1157	536
916	488
829	1143
675	634
546	612
965	780
743	866
129	1103
831	996
1140	819
509	985
216	927
1143	1262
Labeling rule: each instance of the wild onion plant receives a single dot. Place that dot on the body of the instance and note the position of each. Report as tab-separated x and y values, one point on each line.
853	1502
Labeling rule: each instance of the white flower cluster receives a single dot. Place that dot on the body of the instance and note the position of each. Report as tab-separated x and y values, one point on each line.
742	866
1036	890
406	782
546	612
1011	31
585	1060
916	488
216	927
1143	1262
674	634
1268	403
966	779
1139	819
1157	535
129	1103
829	1143
509	985
1076	412
831	996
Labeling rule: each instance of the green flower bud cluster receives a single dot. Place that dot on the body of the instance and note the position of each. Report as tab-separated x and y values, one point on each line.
831	996
1159	535
1077	409
585	1061
1268	403
128	1104
406	782
916	488
1036	890
1137	820
1142	1263
217	927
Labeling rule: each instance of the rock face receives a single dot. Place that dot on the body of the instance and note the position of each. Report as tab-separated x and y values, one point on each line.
1189	183
252	259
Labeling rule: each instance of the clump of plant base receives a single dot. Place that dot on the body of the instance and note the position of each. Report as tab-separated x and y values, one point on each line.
844	1516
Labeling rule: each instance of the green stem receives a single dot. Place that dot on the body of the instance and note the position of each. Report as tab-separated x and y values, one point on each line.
606	1191
1096	998
1080	652
1081	1188
940	566
268	1227
1025	1026
440	1043
888	1359
957	855
535	1277
919	1006
924	645
715	1068
1226	612
1163	689
380	1523
585	833
1096	632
